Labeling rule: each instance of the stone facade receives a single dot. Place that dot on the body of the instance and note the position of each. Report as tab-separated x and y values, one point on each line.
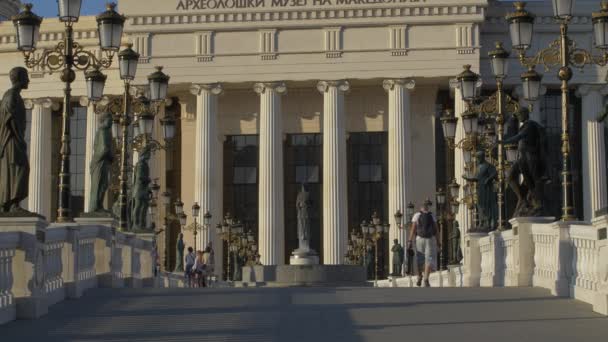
272	68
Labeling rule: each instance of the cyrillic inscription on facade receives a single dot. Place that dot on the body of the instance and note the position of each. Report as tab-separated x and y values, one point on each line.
187	5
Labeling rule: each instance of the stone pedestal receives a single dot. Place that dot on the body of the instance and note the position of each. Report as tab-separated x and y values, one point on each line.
304	275
519	268
472	261
303	257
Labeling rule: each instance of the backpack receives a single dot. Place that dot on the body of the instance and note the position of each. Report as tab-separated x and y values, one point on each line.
426	225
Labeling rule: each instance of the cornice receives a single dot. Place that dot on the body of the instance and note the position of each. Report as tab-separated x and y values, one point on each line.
310	14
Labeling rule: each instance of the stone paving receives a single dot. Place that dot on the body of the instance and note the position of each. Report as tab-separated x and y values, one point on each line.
314	315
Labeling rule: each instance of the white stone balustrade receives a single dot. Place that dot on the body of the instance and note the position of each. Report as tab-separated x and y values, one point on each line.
568	258
42	264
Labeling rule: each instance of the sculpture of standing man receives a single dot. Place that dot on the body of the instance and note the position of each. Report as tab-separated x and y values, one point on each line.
398	255
101	164
487	205
14	164
141	191
530	164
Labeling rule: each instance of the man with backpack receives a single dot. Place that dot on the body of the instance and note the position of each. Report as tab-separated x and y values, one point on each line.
424	230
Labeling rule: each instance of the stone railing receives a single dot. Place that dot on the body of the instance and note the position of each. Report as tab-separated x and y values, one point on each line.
568	258
42	264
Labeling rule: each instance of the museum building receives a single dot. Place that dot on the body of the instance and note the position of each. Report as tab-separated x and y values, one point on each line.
344	96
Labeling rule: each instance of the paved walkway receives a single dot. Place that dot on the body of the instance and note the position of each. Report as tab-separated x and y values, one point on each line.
314	315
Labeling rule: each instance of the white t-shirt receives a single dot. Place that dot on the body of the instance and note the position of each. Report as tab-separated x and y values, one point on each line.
190	259
417	216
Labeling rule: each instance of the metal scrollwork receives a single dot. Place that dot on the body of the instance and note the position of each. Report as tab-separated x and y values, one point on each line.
551	57
55	59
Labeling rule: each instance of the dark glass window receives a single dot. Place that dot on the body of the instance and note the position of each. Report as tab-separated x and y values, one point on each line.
78	136
241	181
303	157
551	120
367	184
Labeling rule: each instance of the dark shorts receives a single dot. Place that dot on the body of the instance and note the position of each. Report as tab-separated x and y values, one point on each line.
189	270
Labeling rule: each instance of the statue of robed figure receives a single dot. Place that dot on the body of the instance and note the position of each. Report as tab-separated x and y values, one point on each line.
303	255
141	191
487	203
14	164
530	165
303	207
101	164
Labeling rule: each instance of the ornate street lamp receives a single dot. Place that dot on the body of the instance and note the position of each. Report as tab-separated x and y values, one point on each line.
567	55
448	124
28	29
66	55
374	231
95	81
69	10
179	207
531	84
158	82
521	24
600	26
468	83
110	25
399	219
470	122
410	211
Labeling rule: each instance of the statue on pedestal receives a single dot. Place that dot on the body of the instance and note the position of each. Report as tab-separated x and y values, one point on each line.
141	191
181	246
101	164
398	254
14	163
530	164
455	251
303	206
303	255
487	202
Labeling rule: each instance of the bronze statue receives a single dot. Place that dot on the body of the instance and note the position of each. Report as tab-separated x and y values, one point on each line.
181	246
530	164
14	163
141	191
101	164
398	254
487	204
455	251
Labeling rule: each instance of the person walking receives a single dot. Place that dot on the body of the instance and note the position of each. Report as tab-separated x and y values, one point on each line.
209	258
424	231
190	259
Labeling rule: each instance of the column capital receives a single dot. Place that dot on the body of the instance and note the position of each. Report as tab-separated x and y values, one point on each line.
278	87
585	89
342	85
407	83
198	88
45	102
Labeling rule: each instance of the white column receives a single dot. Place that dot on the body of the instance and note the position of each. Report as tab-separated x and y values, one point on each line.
40	184
270	203
399	154
335	206
207	188
463	216
594	149
92	126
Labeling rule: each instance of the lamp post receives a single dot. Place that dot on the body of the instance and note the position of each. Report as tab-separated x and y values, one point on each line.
440	197
374	231
68	55
195	227
230	230
562	53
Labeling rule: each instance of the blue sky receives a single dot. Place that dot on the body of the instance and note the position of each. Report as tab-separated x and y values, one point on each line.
48	8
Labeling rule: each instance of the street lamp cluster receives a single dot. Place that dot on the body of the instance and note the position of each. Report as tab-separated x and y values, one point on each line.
68	55
242	247
195	227
564	54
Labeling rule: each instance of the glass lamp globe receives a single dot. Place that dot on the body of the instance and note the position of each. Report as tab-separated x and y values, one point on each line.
69	10
95	81
531	83
159	83
128	60
499	61
562	9
448	124
468	82
600	26
110	25
27	25
521	24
